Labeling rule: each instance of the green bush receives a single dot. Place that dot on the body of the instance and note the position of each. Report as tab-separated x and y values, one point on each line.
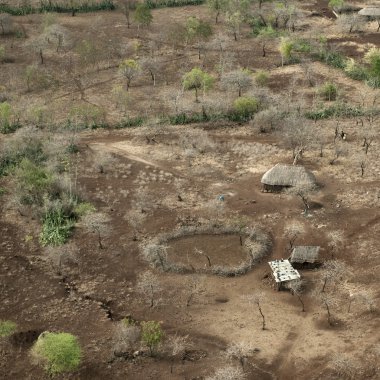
245	107
7	328
261	78
132	122
83	208
48	6
337	110
355	71
58	352
57	224
151	334
152	4
33	182
328	91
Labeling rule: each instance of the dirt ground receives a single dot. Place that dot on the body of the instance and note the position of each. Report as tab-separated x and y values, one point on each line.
90	294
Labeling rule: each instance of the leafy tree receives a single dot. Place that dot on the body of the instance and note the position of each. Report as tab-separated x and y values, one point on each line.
286	47
336	5
88	53
198	31
58	352
129	69
246	106
143	15
217	6
265	34
196	79
7	328
372	57
236	14
151	335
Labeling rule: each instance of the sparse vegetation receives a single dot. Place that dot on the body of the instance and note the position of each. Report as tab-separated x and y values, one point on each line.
132	215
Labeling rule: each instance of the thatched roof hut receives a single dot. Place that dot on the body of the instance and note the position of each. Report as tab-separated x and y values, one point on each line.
305	255
370	11
281	176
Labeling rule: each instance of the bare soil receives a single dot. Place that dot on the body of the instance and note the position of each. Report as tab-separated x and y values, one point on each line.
88	296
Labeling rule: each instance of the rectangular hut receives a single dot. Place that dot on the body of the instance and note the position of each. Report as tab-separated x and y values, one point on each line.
305	257
283	273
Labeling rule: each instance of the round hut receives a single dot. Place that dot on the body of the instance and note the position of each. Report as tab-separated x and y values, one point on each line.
283	176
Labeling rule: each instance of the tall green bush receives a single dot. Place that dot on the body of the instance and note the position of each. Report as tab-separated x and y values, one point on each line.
57	352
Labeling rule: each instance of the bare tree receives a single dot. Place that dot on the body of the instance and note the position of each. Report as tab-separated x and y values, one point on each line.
333	271
296	287
177	345
194	286
336	240
153	66
303	191
298	136
257	299
227	373
98	223
135	219
103	161
126	337
148	285
239	80
340	150
327	301
291	233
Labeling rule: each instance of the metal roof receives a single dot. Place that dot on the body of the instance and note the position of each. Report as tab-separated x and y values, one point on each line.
283	271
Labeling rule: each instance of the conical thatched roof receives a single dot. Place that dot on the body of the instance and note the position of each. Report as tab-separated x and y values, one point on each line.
370	11
288	175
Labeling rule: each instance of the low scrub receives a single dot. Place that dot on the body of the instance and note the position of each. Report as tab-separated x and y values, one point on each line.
152	4
7	328
337	110
58	7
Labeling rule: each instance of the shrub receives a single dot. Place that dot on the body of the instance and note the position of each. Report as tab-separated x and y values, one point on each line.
328	91
83	208
34	182
245	107
261	78
355	71
137	121
57	225
151	334
7	328
172	3
58	352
